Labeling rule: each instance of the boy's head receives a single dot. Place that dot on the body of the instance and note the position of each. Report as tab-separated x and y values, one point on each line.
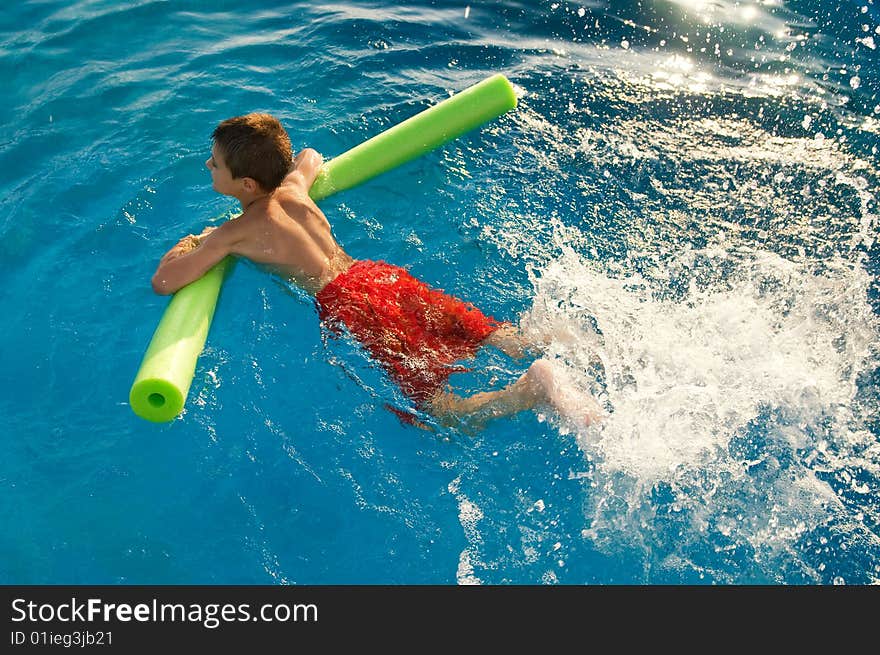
253	146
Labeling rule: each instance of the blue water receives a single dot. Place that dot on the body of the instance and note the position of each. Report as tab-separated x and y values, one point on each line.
685	199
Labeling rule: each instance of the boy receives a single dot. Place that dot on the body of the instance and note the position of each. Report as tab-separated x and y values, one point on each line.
415	332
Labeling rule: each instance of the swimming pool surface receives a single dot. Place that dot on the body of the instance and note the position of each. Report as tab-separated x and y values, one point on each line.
685	199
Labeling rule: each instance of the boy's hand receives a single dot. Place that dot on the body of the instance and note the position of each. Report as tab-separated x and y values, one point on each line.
187	244
208	229
193	241
192	257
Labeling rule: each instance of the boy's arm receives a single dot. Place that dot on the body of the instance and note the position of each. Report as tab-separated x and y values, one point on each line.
305	169
192	257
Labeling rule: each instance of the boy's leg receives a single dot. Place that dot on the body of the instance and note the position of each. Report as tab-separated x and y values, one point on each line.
510	340
535	387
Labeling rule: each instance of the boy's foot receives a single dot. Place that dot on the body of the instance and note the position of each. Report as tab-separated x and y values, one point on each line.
547	385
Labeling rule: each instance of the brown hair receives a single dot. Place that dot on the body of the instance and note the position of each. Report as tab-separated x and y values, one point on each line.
255	146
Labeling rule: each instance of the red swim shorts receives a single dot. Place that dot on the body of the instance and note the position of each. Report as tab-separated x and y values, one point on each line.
414	332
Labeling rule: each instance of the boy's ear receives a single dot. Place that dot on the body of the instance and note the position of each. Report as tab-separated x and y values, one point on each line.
250	184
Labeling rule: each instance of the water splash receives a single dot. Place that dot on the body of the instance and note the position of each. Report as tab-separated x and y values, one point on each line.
732	397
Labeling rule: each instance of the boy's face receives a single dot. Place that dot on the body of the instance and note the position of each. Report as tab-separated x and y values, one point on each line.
221	176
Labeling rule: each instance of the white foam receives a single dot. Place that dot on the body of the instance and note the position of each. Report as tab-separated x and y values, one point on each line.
683	375
770	343
469	514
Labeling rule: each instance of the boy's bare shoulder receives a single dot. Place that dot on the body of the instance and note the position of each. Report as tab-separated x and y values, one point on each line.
244	226
304	170
229	232
293	200
293	186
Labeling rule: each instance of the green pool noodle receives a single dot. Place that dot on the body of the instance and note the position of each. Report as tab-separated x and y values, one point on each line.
415	136
162	383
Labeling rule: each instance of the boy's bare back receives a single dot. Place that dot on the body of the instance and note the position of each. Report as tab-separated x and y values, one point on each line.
290	234
283	230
